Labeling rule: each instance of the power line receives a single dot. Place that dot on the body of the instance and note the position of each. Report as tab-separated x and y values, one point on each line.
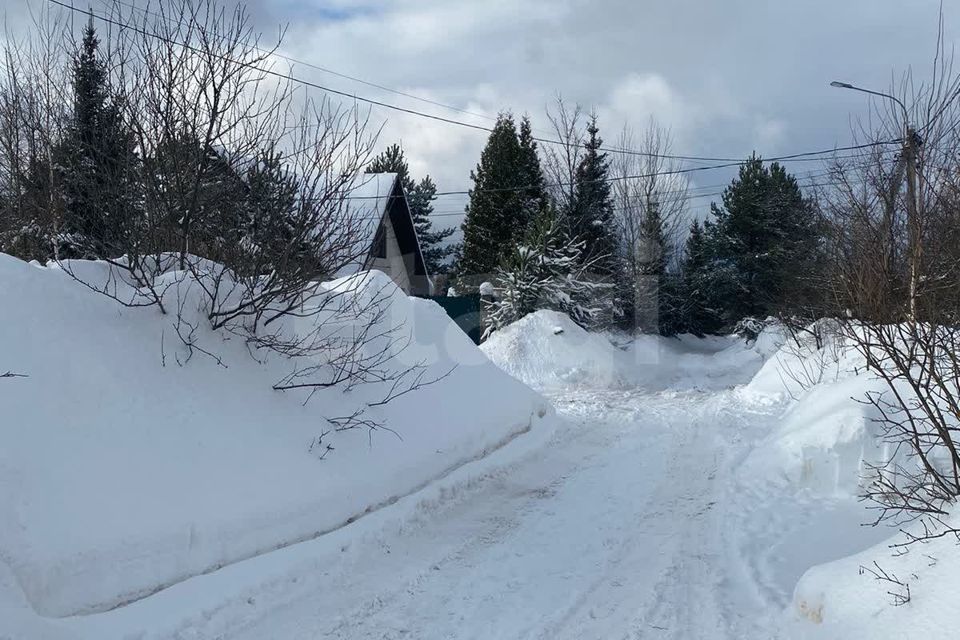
451	121
799	176
620	150
467	192
726	162
689	196
704	206
107	3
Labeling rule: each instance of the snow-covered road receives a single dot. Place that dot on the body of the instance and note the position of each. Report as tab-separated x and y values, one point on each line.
618	528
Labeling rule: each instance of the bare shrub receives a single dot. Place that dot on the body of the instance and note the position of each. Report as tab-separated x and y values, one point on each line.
893	221
223	184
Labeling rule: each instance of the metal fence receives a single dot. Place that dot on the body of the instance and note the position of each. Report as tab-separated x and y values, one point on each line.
465	312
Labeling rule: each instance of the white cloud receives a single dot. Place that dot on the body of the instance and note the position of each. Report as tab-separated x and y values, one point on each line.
768	134
639	97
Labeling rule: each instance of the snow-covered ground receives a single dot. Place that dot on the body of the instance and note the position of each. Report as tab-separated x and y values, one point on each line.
690	489
126	470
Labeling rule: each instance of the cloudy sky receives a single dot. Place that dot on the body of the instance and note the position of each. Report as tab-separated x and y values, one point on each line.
727	77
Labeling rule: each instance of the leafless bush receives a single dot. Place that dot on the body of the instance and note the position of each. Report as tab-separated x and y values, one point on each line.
33	85
651	208
899	590
226	182
811	354
896	264
919	414
562	160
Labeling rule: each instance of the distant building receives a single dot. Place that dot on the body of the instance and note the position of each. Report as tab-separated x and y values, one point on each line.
390	243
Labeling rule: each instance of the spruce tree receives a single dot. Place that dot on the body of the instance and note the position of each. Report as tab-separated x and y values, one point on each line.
531	169
590	220
420	197
699	311
655	294
271	207
97	160
591	216
544	271
502	203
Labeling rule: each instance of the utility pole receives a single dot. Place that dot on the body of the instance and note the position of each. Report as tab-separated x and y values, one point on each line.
911	151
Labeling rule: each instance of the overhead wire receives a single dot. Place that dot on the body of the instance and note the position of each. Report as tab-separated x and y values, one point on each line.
290	77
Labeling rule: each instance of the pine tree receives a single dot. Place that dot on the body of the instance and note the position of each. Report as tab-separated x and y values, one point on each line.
502	203
531	169
655	292
757	247
28	215
420	196
269	227
98	162
199	197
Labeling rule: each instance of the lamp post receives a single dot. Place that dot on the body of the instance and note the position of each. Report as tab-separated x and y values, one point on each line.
911	147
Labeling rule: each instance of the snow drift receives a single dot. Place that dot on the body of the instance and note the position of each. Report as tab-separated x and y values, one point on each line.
126	469
879	594
815	462
546	349
827	433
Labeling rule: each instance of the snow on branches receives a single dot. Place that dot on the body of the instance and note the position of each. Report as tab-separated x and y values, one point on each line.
546	271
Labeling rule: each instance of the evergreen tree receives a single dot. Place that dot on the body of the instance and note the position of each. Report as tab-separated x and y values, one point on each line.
699	299
531	169
198	197
97	160
656	292
545	271
271	209
757	248
420	197
591	216
27	214
590	220
502	203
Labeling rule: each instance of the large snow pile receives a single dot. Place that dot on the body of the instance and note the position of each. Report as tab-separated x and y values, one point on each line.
810	470
827	432
797	363
880	594
546	349
123	471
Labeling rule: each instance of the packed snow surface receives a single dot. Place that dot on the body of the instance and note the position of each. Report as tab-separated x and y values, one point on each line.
693	489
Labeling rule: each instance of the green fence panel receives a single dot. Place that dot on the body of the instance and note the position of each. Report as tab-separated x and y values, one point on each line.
464	311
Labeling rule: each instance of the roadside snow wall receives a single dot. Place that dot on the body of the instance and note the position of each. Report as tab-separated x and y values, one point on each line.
123	471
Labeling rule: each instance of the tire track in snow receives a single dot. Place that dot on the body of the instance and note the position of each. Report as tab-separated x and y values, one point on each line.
611	531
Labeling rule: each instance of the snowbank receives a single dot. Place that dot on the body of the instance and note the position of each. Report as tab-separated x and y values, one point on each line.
546	349
805	475
795	364
841	600
123	472
826	433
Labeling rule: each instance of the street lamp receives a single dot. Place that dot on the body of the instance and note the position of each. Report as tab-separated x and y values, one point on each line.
911	144
846	85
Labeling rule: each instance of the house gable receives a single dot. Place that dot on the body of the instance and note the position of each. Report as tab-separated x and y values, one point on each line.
389	243
407	242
